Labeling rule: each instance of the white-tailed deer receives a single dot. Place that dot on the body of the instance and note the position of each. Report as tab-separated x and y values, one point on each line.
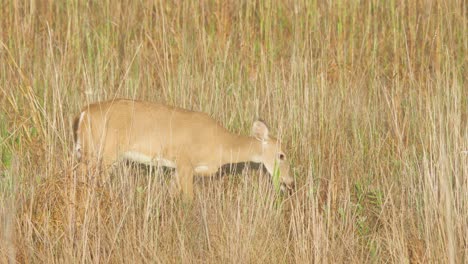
160	135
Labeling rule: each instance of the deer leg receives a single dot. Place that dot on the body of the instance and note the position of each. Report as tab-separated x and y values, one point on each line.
183	180
186	180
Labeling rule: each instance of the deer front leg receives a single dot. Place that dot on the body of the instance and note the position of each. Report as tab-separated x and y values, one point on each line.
183	180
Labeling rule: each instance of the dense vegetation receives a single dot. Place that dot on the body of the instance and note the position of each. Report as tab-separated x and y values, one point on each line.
369	97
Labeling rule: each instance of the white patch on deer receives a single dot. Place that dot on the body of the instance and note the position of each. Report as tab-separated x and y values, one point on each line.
201	168
145	159
78	139
165	163
257	159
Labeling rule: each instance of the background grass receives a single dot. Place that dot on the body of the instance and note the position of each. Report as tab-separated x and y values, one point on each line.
369	97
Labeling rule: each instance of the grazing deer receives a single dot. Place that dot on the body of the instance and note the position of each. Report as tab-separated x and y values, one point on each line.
160	135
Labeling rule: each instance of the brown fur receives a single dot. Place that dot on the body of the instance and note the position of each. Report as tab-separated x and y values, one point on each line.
158	134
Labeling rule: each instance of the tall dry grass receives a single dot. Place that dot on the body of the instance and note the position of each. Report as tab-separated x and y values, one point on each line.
369	97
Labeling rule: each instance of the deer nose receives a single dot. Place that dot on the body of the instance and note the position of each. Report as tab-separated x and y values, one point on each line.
288	181
287	184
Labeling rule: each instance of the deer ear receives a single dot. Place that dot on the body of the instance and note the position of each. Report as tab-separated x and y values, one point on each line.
260	130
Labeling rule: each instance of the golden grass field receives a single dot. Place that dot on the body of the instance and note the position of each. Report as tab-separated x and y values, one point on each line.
370	99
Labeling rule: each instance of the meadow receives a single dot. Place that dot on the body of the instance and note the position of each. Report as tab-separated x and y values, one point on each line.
370	100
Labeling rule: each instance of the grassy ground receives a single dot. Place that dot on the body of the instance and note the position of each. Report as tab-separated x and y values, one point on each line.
369	97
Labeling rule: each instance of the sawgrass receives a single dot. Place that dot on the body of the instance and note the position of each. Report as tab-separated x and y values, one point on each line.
368	97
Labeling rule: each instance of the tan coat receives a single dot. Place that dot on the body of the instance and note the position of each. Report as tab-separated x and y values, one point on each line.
161	135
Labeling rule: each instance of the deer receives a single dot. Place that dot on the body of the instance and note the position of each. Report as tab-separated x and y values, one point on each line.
155	134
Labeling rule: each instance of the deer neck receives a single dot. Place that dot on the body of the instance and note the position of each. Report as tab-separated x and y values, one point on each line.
243	149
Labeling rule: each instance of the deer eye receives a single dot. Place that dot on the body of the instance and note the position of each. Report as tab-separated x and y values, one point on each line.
281	156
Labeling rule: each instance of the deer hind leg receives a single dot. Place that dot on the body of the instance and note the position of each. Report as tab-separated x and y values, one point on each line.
96	159
87	161
92	147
